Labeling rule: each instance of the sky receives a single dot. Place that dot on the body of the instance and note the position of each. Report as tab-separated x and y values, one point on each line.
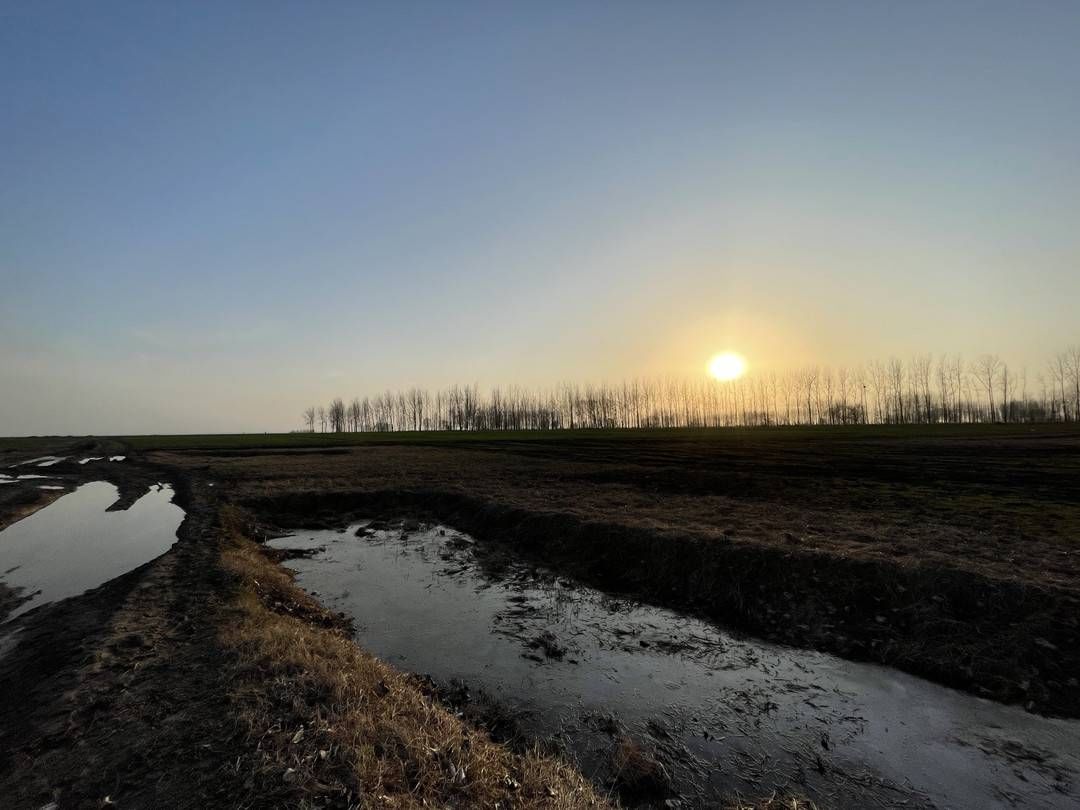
215	215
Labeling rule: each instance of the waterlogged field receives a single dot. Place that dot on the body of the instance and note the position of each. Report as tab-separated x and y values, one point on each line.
861	617
720	714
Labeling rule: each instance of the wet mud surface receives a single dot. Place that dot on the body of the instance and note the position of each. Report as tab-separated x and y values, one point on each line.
114	696
76	543
541	658
953	558
30	482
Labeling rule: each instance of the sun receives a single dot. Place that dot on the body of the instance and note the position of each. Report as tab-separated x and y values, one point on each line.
727	366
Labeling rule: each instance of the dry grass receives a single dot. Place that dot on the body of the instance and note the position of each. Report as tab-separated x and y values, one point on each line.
775	802
638	774
334	726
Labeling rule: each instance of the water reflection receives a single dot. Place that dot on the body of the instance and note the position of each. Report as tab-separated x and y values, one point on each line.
74	545
723	713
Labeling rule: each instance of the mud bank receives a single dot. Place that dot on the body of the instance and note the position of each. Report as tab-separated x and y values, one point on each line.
717	714
1010	641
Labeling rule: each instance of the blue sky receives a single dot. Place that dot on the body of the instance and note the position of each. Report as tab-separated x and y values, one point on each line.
214	215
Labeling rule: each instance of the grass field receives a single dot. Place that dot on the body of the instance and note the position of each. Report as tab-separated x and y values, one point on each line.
226	441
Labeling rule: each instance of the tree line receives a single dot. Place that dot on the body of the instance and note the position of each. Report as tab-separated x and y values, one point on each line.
920	390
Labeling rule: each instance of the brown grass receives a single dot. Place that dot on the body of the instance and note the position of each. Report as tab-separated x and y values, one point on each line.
775	802
638	774
334	726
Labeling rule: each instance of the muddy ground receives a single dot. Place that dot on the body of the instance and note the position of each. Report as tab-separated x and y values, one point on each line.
116	696
181	684
953	558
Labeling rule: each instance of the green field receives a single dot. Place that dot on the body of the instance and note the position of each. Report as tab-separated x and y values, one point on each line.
225	441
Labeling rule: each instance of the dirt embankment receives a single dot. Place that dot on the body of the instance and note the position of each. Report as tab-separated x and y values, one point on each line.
955	560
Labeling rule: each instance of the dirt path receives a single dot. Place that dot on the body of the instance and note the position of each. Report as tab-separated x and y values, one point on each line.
116	696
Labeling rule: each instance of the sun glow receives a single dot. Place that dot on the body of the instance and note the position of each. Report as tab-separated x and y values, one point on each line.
727	366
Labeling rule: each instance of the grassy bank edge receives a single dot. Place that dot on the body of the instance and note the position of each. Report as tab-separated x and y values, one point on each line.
329	720
332	722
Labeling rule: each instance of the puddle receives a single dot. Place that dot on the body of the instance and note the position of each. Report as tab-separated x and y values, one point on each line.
41	461
49	486
722	713
117	458
74	545
91	458
7	479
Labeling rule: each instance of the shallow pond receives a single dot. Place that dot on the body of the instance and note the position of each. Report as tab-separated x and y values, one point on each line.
722	713
74	544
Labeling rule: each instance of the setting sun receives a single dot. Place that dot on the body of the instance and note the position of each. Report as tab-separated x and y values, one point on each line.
727	366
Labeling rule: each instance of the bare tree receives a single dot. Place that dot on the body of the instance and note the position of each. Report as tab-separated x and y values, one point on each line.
960	375
896	386
944	380
336	414
1072	366
921	366
986	370
355	411
1006	403
879	380
810	380
892	392
1058	369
